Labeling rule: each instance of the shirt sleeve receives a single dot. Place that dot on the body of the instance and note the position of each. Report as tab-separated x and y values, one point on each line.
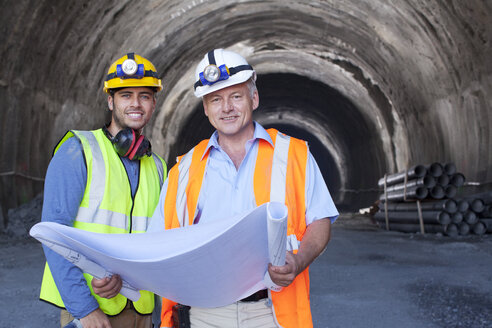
157	221
319	204
63	191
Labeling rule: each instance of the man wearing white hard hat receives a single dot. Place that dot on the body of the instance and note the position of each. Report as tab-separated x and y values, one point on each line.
233	172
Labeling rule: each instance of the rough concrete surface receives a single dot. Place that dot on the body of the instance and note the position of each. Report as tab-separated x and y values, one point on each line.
366	278
375	86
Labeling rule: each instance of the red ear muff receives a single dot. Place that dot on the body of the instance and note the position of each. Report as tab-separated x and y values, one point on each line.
128	144
132	144
135	147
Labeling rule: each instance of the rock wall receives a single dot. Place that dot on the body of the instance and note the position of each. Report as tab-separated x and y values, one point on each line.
375	86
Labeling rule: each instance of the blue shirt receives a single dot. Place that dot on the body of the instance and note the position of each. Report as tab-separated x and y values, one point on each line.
227	191
64	189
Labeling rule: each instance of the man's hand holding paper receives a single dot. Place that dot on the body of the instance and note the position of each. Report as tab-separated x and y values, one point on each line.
107	287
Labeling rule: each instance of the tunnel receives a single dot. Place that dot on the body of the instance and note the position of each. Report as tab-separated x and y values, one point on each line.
373	86
315	112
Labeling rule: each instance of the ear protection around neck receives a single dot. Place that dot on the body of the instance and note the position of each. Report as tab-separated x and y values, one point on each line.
128	143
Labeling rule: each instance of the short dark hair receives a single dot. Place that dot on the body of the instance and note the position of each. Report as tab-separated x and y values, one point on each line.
114	90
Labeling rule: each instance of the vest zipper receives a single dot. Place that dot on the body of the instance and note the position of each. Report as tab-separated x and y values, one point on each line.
133	197
130	228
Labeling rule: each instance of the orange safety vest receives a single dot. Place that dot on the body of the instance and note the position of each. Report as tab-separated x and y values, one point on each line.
280	174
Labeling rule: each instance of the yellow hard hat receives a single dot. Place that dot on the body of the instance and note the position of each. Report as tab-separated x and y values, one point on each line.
132	70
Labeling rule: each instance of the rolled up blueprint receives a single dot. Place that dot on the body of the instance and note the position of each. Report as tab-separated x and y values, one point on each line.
277	239
205	265
89	267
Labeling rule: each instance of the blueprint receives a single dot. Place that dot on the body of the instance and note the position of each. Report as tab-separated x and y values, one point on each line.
206	265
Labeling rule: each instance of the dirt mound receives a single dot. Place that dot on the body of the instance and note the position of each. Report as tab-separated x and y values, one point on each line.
22	218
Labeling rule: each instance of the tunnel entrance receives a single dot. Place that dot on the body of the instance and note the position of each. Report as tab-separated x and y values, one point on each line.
344	142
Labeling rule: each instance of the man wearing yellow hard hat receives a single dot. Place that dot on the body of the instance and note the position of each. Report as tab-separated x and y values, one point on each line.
106	180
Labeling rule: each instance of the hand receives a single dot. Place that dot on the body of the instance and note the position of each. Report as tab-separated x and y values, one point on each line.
315	239
95	319
284	275
107	287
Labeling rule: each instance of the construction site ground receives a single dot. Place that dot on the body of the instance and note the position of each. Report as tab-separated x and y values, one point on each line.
367	277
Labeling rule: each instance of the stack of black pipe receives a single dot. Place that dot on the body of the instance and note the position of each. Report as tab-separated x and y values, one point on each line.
434	186
432	181
478	216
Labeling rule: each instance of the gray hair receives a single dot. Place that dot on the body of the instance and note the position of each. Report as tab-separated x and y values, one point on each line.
251	86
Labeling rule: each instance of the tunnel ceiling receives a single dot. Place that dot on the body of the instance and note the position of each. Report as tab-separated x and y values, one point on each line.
374	86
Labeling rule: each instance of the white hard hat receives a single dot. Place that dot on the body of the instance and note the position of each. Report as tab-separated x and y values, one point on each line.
220	69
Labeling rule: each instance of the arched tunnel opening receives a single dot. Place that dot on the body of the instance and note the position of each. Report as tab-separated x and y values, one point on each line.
374	87
342	140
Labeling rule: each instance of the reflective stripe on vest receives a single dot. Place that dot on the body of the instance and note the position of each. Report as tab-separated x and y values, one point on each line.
187	181
159	164
280	174
277	185
108	207
291	305
279	168
181	200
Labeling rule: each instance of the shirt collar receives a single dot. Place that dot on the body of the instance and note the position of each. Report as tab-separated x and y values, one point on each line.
260	133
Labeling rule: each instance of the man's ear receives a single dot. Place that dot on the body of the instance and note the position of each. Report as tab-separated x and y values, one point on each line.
256	100
204	107
110	102
155	102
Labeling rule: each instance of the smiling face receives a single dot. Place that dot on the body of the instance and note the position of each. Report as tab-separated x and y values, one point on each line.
230	111
131	107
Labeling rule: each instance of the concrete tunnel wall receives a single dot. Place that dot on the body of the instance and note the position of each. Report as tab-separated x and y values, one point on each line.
375	86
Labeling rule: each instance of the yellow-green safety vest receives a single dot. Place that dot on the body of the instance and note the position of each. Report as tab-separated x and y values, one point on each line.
108	207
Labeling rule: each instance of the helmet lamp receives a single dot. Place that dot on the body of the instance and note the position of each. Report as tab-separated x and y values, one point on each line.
130	69
211	74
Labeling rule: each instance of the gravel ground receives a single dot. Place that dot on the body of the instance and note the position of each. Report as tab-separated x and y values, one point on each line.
370	277
367	277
